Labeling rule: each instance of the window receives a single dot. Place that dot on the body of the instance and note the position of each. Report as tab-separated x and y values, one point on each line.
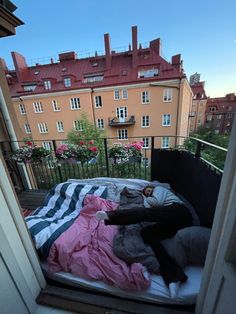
212	109
121	112
42	128
116	94
47	84
209	117
93	78
22	109
167	95
47	145
229	115
166	120
228	123
55	105
78	125
145	97
100	123
145	121
60	126
67	82
27	128
146	142
218	124
98	101
219	116
124	94
29	88
38	107
165	142
148	73
122	134
75	103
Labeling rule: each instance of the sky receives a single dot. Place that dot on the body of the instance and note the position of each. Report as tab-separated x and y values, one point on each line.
203	31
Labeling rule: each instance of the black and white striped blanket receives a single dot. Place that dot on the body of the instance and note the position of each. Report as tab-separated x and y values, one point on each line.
60	209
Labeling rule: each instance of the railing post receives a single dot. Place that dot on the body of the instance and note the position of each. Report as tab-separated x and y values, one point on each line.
58	167
106	157
198	150
152	152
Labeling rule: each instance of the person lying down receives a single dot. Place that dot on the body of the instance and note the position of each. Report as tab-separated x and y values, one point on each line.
170	215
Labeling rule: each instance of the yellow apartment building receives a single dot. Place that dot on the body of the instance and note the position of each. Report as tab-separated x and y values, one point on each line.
198	109
136	93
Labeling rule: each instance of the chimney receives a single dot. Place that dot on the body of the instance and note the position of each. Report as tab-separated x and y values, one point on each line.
67	56
20	65
176	62
107	50
155	46
3	64
135	46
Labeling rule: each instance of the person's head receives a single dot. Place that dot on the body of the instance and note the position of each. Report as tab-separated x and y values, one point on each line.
147	191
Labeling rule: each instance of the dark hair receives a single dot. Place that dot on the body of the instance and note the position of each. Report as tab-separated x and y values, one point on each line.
147	186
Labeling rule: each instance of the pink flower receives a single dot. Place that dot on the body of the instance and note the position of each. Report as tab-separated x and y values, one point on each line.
29	143
90	142
81	142
93	149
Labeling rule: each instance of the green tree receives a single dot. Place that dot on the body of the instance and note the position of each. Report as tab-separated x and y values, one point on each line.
215	156
88	132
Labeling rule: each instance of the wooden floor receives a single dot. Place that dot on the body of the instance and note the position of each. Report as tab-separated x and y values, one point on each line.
31	199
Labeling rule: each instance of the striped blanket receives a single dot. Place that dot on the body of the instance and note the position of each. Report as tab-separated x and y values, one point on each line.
60	209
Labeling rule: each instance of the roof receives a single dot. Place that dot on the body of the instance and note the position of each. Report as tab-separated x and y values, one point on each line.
121	72
198	90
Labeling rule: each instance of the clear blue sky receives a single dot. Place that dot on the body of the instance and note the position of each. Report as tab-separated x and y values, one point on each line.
203	31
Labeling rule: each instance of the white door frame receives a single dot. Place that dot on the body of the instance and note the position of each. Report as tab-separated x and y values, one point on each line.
121	114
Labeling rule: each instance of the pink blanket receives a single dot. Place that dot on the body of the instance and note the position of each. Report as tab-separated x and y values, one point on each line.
85	249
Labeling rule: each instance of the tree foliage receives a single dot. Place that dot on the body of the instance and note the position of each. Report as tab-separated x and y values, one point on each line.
215	156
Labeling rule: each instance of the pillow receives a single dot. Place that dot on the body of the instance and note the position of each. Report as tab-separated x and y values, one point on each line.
189	245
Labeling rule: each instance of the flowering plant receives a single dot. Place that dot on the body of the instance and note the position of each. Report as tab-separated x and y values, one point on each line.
124	153
82	152
30	152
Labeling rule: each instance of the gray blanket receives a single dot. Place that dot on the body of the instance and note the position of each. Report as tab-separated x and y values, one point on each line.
188	246
128	243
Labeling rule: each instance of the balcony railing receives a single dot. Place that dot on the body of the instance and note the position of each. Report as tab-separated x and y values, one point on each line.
115	122
46	173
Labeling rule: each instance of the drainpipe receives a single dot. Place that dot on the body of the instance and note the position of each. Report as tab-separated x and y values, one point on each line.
12	135
92	102
177	113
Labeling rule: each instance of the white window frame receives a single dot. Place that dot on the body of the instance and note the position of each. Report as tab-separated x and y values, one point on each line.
42	128
47	84
116	94
165	142
146	142
167	94
122	134
22	109
148	73
145	97
145	121
125	111
166	118
27	128
100	124
75	103
38	107
47	145
125	93
67	82
60	127
77	125
55	105
98	101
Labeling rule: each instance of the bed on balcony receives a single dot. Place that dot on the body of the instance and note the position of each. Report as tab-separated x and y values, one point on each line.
80	250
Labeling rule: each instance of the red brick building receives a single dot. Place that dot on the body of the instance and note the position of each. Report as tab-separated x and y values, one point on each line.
220	112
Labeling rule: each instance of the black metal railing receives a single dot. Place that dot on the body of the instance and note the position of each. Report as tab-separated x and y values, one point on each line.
118	122
50	171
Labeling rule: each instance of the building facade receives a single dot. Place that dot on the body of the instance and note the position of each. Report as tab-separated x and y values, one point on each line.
220	113
197	114
136	93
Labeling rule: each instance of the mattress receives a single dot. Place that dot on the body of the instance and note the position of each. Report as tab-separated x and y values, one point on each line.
156	293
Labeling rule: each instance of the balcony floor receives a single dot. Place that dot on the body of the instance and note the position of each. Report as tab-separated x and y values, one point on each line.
31	199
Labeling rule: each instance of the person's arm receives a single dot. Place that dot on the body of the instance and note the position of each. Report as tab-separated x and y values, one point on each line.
152	201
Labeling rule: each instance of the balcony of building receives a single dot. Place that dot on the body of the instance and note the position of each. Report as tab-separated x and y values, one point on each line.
116	122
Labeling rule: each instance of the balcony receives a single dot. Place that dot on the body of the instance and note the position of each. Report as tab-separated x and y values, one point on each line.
116	122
